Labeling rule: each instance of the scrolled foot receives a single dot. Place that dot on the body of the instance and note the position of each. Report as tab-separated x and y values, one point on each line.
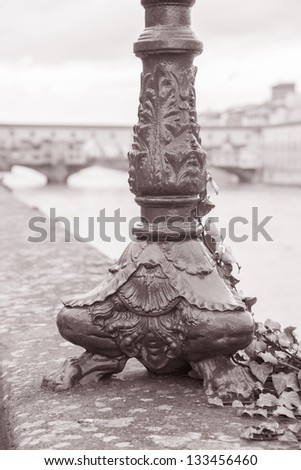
64	379
225	380
83	369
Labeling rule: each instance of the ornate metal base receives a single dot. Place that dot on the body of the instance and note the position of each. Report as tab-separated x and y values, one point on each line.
169	301
167	304
86	368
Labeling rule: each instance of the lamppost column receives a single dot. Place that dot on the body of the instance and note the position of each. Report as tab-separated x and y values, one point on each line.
167	170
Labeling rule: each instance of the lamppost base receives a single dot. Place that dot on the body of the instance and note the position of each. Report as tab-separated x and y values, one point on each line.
172	307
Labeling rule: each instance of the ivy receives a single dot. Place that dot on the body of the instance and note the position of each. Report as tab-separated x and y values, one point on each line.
274	360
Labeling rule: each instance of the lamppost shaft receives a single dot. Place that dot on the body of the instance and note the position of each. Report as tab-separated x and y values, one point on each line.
167	170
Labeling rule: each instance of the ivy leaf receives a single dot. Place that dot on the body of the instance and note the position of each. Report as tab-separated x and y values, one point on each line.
250	350
216	401
264	431
261	371
296	348
251	413
295	428
268	357
272	325
284	341
290	400
237	404
273	426
260	328
288	436
267	400
292	381
290	333
245	412
250	406
261	412
279	382
261	345
258	386
281	354
282	411
248	433
271	336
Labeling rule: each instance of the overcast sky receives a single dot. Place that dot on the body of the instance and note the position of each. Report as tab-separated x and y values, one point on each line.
71	61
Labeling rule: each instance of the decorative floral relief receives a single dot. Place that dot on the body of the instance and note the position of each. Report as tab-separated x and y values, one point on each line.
166	156
154	340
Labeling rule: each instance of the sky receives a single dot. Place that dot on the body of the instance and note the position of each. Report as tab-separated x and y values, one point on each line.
72	61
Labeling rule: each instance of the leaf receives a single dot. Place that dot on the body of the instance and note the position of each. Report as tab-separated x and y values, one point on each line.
261	371
261	412
295	428
279	382
273	426
272	337
284	341
292	381
299	377
251	413
245	412
264	431
290	400
260	345
250	350
248	433
268	357
282	381
258	386
272	325
281	354
288	436
267	400
216	401
296	348
237	404
260	328
282	411
290	333
298	411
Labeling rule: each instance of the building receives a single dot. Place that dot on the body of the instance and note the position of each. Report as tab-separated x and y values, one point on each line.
269	132
281	151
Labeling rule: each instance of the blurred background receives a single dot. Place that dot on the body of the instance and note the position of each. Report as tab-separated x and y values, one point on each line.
69	87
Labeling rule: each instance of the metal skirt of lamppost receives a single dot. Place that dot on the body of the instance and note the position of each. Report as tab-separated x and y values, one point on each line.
170	301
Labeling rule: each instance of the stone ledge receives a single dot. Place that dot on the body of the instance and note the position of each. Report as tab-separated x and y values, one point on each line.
133	410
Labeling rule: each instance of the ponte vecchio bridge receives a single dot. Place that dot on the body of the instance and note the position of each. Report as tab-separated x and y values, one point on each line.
58	151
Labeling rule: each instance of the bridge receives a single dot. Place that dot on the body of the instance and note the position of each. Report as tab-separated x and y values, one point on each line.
59	159
240	160
60	151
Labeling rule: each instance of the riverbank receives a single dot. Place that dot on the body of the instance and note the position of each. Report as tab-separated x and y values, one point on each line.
130	411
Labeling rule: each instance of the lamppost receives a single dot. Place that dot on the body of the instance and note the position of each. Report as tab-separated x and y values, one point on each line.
169	301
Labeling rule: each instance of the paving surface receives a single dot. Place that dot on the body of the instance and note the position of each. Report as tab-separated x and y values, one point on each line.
133	410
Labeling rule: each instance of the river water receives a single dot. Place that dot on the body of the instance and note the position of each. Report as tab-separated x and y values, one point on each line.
270	269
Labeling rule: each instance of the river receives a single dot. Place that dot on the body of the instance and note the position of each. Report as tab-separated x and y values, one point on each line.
270	269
